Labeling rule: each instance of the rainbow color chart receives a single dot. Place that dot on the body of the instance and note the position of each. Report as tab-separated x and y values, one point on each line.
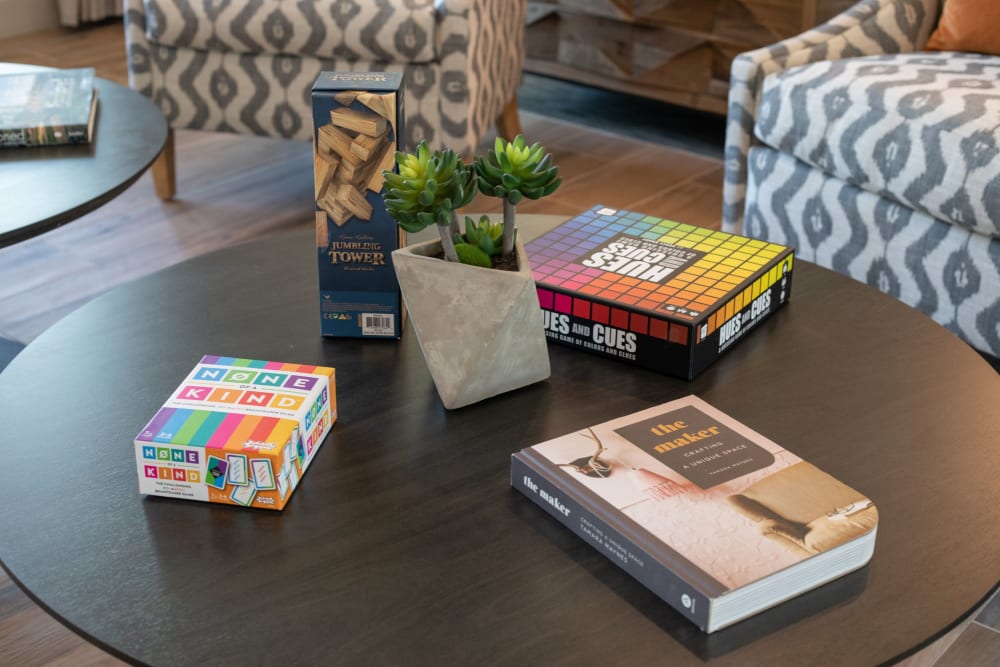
654	291
237	431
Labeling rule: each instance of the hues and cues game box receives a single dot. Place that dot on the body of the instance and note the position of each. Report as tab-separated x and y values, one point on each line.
357	123
664	295
238	432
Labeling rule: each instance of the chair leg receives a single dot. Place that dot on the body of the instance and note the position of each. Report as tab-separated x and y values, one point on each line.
164	171
508	123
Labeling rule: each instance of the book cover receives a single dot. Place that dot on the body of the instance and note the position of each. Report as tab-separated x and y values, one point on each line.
660	294
237	432
47	107
716	519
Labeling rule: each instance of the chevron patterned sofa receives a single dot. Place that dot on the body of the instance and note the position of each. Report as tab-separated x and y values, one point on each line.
249	66
875	159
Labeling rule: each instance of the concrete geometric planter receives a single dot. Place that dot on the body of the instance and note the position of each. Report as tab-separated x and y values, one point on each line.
480	329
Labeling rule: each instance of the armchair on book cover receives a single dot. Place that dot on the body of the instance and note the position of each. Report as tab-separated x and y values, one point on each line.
806	510
249	67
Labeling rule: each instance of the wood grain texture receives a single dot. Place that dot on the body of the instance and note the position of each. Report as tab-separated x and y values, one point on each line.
240	188
408	506
678	51
233	188
44	187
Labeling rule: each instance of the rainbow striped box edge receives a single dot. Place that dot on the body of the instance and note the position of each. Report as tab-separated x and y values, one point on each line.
237	432
657	293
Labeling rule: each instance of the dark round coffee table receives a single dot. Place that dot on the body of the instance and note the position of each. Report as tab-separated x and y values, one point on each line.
404	543
44	187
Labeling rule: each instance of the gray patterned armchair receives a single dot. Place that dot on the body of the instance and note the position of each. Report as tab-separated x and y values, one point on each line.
249	66
876	160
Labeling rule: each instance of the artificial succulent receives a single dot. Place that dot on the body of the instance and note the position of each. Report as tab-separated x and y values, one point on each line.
513	171
427	189
431	185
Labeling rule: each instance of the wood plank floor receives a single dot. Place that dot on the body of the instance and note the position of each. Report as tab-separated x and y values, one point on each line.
233	189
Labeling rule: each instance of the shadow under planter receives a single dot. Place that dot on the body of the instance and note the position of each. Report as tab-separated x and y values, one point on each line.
480	329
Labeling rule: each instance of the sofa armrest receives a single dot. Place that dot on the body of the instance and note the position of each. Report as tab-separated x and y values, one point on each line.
481	46
871	27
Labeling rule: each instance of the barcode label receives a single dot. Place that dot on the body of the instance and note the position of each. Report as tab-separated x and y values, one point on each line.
377	325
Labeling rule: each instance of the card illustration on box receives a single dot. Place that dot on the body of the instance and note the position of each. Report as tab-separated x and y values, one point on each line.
661	294
230	425
357	123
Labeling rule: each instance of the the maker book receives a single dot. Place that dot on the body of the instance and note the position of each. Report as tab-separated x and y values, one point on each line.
713	517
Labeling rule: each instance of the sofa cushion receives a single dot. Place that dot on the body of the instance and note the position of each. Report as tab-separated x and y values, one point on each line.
920	129
390	31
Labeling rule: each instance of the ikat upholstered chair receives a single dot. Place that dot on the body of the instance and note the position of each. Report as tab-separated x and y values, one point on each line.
877	159
248	66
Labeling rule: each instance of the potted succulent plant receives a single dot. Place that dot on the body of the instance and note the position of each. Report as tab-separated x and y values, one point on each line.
470	295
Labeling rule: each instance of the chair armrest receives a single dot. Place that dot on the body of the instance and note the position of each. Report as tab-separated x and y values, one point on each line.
137	50
481	46
871	27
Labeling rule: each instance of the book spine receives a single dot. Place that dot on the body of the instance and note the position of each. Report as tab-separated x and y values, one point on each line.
560	502
45	136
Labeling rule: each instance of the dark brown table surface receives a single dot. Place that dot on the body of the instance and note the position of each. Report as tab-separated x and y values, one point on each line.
44	187
404	543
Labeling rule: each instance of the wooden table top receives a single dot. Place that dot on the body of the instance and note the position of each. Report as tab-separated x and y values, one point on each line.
404	543
47	186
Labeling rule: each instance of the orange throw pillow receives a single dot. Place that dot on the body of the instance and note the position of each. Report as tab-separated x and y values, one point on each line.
968	25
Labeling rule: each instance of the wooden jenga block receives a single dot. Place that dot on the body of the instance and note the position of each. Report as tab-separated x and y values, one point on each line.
363	174
321	234
358	121
324	168
334	208
346	97
377	103
385	163
354	201
364	146
389	103
348	172
334	141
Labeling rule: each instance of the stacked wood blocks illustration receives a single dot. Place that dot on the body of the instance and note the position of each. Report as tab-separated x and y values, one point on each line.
352	151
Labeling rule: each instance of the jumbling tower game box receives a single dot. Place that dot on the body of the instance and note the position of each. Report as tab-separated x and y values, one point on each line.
661	294
237	432
357	124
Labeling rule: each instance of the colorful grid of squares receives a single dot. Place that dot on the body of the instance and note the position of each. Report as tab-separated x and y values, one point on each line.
744	298
616	317
729	260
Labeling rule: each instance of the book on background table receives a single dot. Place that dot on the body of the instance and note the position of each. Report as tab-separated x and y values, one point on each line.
47	107
714	518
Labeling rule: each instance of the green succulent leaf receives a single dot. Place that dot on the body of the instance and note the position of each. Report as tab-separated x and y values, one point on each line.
470	254
488	245
510	181
427	186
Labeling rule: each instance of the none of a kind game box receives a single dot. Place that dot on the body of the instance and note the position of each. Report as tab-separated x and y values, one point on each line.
663	295
357	126
237	432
